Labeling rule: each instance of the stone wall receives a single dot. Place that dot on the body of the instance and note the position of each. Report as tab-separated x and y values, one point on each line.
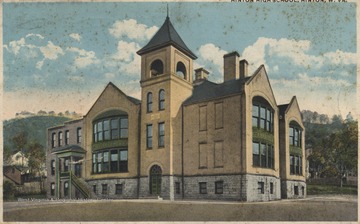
253	191
231	187
129	188
288	189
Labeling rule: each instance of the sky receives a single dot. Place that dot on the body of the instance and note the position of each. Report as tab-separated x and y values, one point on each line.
60	56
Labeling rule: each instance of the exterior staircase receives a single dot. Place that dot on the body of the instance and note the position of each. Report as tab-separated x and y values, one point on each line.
82	186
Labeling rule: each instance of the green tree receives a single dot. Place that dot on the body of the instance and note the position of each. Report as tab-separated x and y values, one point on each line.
20	140
37	157
9	190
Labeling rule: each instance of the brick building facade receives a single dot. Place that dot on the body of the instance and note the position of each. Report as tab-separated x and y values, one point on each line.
188	138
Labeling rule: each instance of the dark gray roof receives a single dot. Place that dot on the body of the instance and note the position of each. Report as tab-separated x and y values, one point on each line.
67	148
282	109
165	36
208	90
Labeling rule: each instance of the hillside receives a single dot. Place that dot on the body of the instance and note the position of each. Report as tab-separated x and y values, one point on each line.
35	127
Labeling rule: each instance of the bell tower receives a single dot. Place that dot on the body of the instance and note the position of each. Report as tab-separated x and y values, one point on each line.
166	82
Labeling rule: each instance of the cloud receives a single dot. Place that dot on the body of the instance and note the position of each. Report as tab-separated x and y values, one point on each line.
341	58
39	64
14	46
84	58
296	51
126	51
51	51
213	54
133	30
35	35
75	36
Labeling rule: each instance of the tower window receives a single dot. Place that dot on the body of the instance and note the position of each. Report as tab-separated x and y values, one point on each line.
149	102
162	99
156	68
181	70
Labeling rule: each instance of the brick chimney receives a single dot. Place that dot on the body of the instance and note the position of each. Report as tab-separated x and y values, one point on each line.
201	74
231	66
243	68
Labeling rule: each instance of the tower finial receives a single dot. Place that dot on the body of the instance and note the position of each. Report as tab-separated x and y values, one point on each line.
167	9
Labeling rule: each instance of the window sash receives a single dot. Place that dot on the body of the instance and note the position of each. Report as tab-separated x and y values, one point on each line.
161	129
149	102
149	136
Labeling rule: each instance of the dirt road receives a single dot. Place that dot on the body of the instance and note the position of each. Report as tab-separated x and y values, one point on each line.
320	208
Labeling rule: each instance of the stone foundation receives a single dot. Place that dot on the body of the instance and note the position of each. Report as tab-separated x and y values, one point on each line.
289	189
129	188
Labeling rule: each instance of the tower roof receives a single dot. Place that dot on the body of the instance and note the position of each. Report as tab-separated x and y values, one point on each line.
165	36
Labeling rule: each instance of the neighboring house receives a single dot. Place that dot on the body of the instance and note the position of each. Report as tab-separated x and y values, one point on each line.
19	159
186	139
12	174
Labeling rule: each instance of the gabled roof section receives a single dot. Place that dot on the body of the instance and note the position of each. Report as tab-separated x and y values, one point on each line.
131	99
284	108
209	91
165	36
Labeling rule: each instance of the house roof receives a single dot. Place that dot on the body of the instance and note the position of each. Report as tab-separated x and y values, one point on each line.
208	90
165	36
69	148
282	109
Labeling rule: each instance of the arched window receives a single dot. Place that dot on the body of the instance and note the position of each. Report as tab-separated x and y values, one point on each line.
181	70
155	180
262	114
162	99
156	68
263	133
149	102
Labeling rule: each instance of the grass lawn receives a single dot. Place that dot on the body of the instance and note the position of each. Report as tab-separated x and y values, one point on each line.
328	189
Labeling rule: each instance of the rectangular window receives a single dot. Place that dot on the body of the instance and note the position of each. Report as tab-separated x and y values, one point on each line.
292	163
161	134
104	189
262	117
95	133
177	187
296	190
67	137
99	160
124	123
94	189
60	138
114	123
219	187
296	164
94	163
79	135
123	165
270	161
255	116
263	155
149	136
114	161
202	188
52	167
271	188
261	187
118	189
53	140
100	131
52	188
202	118
105	161
106	129
202	156
256	154
218	115
300	165
218	157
